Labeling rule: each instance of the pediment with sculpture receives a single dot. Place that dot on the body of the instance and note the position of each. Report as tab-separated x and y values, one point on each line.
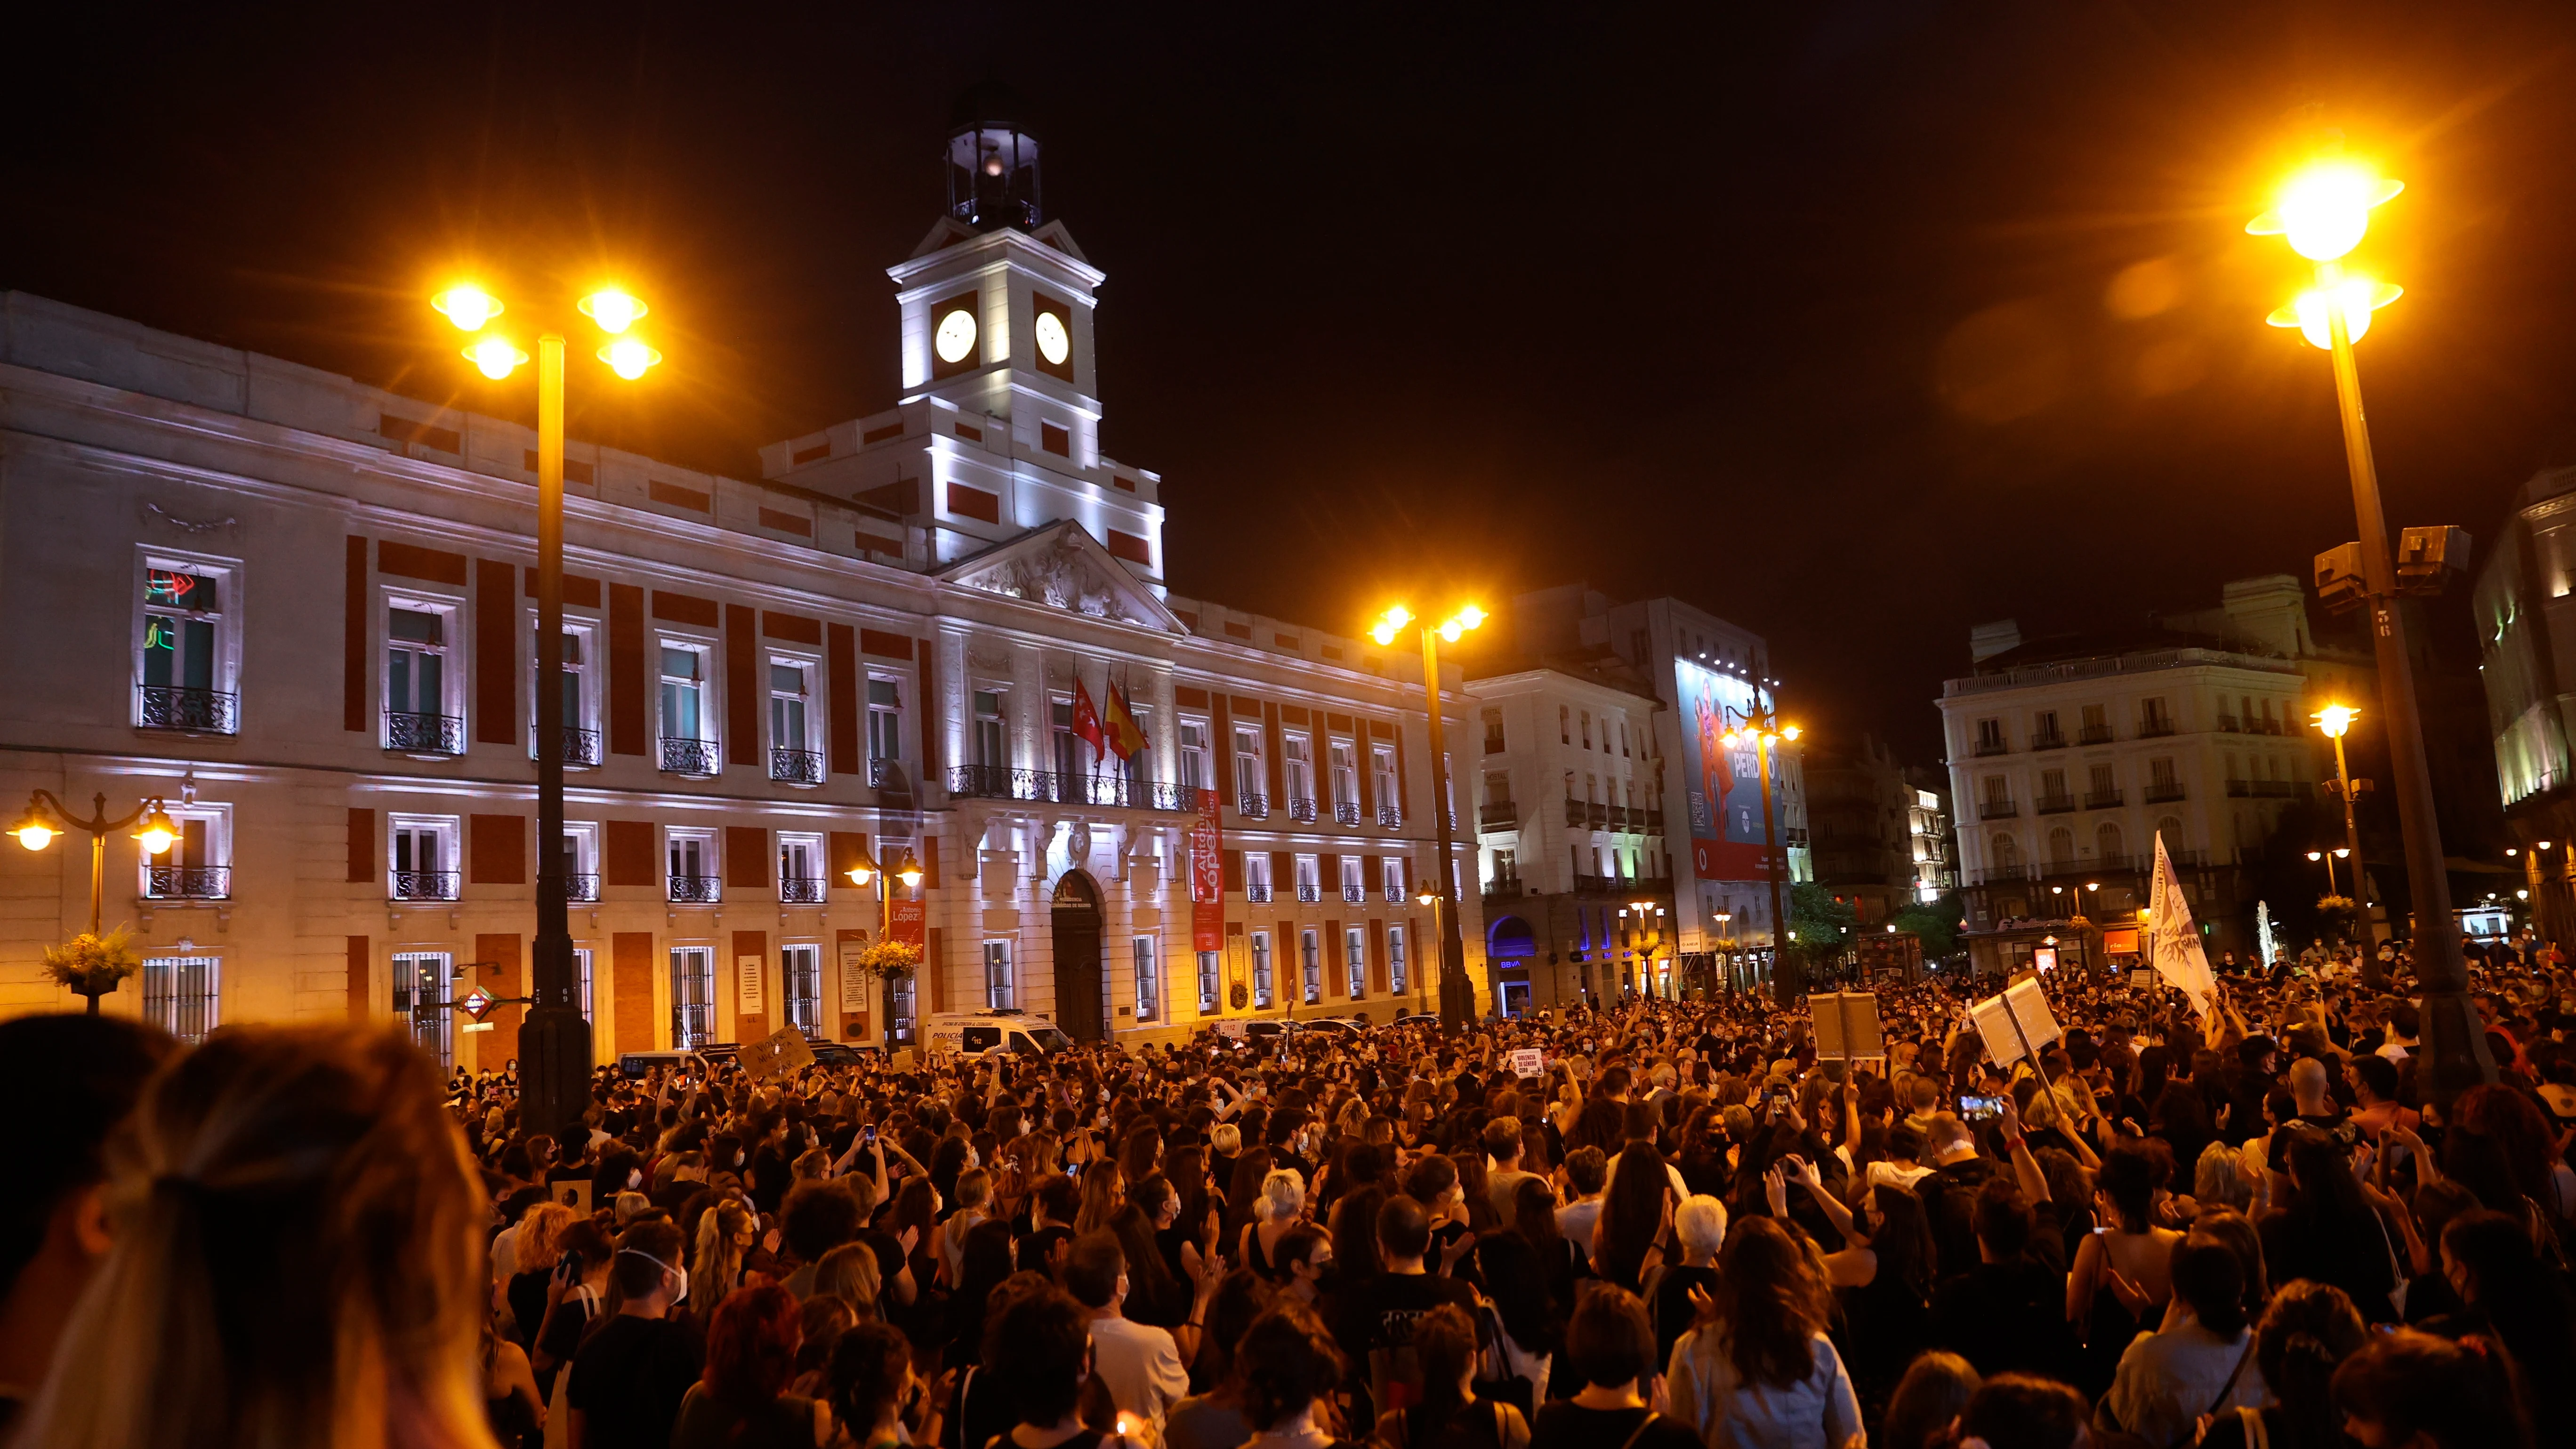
1063	567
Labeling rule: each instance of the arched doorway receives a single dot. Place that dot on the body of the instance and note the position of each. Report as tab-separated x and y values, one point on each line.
1078	994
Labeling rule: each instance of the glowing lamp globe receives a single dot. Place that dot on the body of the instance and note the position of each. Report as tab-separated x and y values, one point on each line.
2324	210
467	305
629	357
613	310
158	832
495	357
2312	310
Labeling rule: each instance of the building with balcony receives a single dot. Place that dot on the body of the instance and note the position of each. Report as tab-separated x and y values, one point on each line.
2069	756
301	609
1865	821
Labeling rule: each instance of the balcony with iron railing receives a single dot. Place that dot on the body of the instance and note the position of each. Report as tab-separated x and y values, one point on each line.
181	707
2104	799
1346	812
1500	888
424	734
2159	792
1001	782
1395	895
423	885
580	749
880	769
1498	815
1986	746
694	758
800	890
2094	735
2052	805
1253	807
695	890
2227	724
2049	741
1257	892
188	882
1302	811
1309	891
2155	727
1391	816
581	887
796	767
1354	894
1997	809
1597	816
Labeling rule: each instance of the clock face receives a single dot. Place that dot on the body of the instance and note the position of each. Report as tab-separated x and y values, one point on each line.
956	336
1053	345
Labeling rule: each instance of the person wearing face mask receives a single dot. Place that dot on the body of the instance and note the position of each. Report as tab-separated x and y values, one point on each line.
633	1371
1305	1259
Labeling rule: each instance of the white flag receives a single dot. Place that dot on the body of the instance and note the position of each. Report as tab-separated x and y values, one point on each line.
2177	954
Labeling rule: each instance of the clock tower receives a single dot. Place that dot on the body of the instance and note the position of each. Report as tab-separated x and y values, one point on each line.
996	300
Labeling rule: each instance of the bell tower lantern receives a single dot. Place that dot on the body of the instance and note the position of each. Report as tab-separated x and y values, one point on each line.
992	163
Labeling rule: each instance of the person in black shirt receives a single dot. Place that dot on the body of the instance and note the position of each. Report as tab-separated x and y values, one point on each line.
632	1371
2007	1314
1375	1317
1610	1347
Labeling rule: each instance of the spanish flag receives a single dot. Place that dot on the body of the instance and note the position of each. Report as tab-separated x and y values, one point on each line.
1124	737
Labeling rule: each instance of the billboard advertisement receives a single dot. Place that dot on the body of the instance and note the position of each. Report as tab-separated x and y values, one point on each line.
1723	786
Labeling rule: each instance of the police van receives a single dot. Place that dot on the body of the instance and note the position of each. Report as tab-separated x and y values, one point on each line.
981	1033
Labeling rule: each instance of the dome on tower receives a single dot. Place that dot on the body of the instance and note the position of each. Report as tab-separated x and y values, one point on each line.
992	161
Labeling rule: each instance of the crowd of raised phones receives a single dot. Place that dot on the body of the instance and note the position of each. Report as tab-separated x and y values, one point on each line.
1682	1229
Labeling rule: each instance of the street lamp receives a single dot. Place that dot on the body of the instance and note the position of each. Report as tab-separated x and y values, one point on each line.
2330	857
909	872
2324	212
1762	729
46	818
2335	720
554	1041
1429	897
1457	999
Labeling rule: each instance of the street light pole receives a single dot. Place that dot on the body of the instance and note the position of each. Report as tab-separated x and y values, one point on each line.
554	1039
1457	997
2324	213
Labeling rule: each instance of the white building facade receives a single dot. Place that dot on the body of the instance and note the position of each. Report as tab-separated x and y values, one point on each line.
301	611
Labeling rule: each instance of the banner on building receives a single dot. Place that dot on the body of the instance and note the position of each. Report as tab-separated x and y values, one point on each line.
909	917
1207	878
1723	785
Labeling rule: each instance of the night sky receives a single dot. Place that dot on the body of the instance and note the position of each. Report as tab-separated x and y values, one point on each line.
1854	323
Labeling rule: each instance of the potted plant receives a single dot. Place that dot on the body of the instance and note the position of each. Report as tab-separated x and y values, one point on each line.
2336	913
92	964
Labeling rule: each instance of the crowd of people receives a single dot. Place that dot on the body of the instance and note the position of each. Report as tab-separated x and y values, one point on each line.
1665	1223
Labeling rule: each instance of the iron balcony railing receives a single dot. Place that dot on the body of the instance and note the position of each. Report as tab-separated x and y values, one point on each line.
695	890
189	883
1354	893
1997	809
801	890
1254	807
424	734
423	885
1346	812
1391	816
2053	805
2104	799
978	782
1301	810
1257	892
2227	723
2095	734
179	707
1309	891
1001	782
1500	815
1993	747
580	749
796	767
1395	895
2160	791
2155	728
1598	814
581	887
690	757
1501	887
879	766
2049	741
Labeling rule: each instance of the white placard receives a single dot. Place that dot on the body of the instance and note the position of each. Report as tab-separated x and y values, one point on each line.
1528	1062
746	975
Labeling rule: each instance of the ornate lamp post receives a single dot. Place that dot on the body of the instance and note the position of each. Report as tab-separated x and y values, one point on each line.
554	1041
46	818
878	962
1457	998
1762	729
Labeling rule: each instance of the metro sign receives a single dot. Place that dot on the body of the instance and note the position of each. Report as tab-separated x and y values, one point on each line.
478	1002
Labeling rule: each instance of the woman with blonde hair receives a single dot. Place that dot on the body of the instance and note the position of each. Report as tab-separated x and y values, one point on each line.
1280	1206
725	1233
974	1194
296	1258
1103	1194
851	1273
541	1232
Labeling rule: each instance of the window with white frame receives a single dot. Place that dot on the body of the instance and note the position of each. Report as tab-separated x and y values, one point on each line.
1251	778
421	690
992	729
1297	760
1000	989
1310	960
182	995
1346	781
1391	876
581	860
1149	982
1069	747
1261	996
800	868
198	864
693	996
424	982
1395	960
1354	889
689	858
1309	884
185	676
580	706
581	964
1256	876
1390	807
800	979
792	756
1133	767
421	865
885	717
1195	776
1355	957
1209	972
688	723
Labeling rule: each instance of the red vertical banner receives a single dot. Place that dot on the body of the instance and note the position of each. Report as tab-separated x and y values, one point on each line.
909	917
1207	878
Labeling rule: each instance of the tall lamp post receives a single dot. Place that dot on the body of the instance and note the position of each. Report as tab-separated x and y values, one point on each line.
909	872
2336	720
1457	998
1762	729
1432	899
1649	922
1726	946
46	818
554	1041
2323	213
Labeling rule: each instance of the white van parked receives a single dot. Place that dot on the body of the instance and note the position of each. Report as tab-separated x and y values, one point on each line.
983	1033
